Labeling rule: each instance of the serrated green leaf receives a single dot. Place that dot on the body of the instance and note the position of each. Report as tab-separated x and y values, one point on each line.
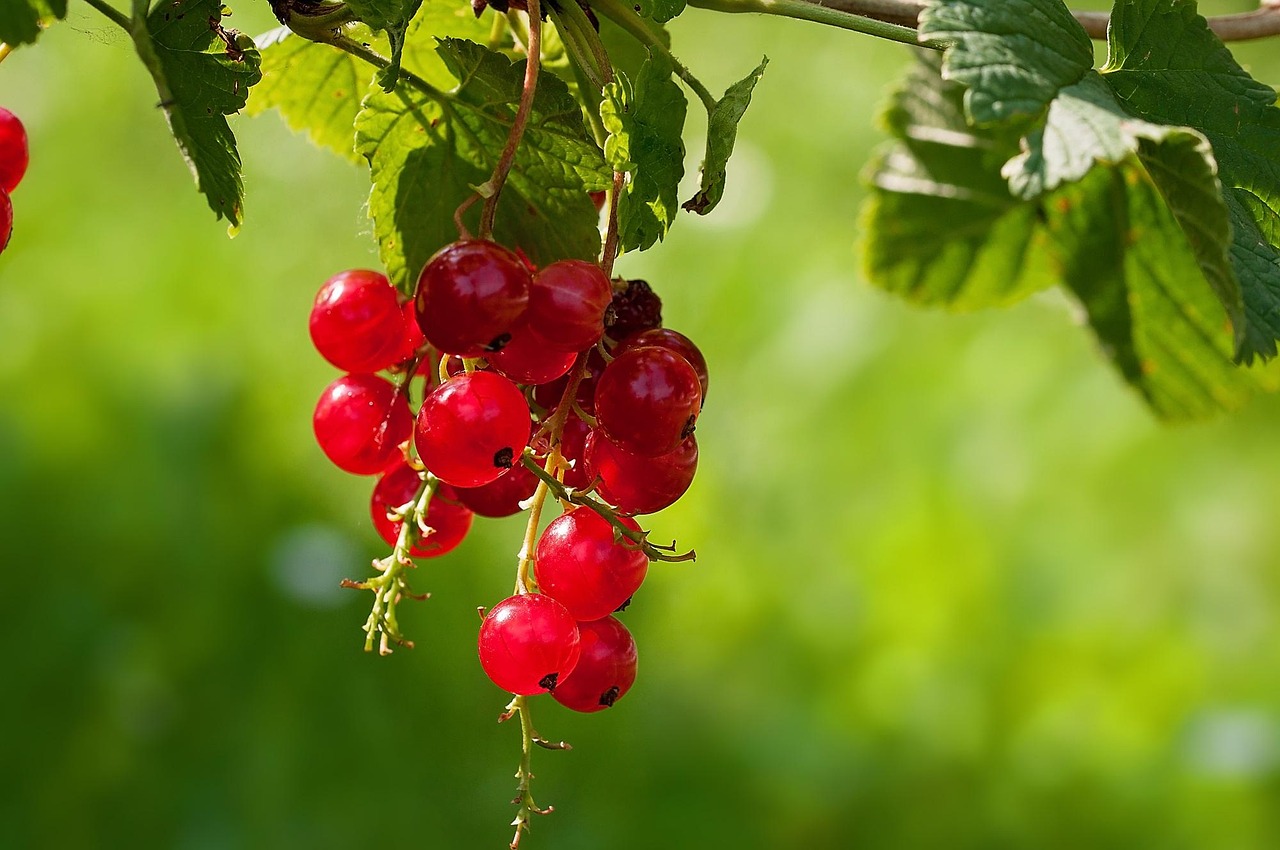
722	133
645	122
20	20
659	11
391	17
203	73
1013	56
942	228
1129	263
316	87
427	152
1169	68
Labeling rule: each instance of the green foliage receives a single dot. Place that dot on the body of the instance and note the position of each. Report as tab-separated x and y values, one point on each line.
391	17
20	20
427	150
203	73
722	132
645	122
659	11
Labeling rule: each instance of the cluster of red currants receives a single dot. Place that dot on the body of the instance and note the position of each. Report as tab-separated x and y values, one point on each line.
14	157
519	362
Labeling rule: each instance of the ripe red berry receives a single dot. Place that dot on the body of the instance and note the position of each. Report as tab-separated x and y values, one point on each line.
528	643
647	400
567	303
413	338
635	484
580	564
635	309
502	496
606	667
14	155
448	520
360	422
357	323
6	219
527	359
548	395
469	296
677	342
572	443
471	428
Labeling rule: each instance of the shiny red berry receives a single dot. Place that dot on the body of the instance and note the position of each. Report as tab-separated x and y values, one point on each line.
527	359
448	520
636	484
567	303
528	643
470	295
14	155
412	340
472	428
647	400
360	422
675	341
606	667
6	219
357	323
502	496
580	564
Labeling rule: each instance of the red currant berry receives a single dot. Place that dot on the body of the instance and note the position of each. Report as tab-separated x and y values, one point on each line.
357	323
413	340
502	496
526	359
606	667
14	155
448	520
580	563
567	303
469	296
647	400
572	443
6	219
528	643
677	342
547	396
360	422
472	428
635	484
633	310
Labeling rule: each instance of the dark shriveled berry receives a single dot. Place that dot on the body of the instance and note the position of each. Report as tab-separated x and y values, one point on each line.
633	310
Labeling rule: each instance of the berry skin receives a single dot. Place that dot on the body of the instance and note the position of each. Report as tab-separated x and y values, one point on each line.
449	521
472	428
548	395
413	338
675	341
647	400
579	564
572	447
634	310
360	422
357	323
470	295
606	667
14	155
567	303
526	359
502	496
528	643
635	484
6	219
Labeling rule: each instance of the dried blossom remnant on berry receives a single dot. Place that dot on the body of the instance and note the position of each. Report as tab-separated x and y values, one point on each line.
635	309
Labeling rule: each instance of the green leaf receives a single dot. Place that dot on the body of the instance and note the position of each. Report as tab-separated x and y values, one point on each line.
20	20
316	87
427	151
392	17
1128	261
942	228
1013	56
203	73
660	11
722	132
645	124
1169	68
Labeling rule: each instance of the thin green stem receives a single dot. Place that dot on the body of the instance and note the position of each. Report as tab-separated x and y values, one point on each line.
524	773
806	11
624	16
5	50
113	14
360	51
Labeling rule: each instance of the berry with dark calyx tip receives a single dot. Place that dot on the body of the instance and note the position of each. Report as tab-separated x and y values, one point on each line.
526	359
606	667
14	154
528	644
647	400
448	520
470	295
580	563
501	496
6	219
635	484
677	342
567	303
357	323
360	422
548	395
472	428
633	310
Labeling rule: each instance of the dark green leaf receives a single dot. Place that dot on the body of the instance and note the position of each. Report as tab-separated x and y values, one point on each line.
20	20
722	132
426	152
203	73
645	124
1013	56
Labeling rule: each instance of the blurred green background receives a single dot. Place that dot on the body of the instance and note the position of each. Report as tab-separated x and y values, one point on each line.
955	587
